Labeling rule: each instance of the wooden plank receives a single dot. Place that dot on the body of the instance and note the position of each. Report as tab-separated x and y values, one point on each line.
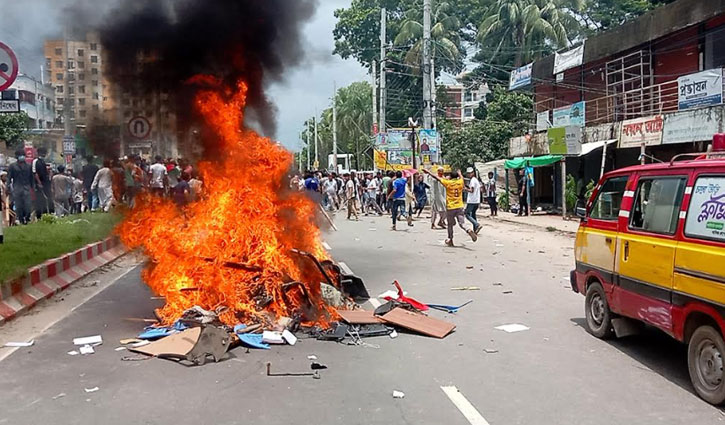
418	322
359	317
178	344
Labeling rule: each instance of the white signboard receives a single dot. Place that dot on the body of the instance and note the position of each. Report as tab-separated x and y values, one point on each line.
568	59
573	140
9	106
570	115
518	146
69	145
700	89
706	214
542	121
520	77
598	133
647	130
692	126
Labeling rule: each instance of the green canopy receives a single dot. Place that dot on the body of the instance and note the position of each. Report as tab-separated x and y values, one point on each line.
532	161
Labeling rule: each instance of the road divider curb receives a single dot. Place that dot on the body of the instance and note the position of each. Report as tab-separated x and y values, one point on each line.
54	275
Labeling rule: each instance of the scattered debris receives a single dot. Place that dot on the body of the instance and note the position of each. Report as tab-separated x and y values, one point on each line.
73	353
389	294
311	357
19	344
61	395
469	267
449	308
289	337
87	349
331	295
393	334
358	316
119	348
507	292
129	341
271	337
514	327
419	323
466	288
398	394
497	284
92	390
197	314
88	340
317	366
269	372
178	344
135	358
403	298
140	344
490	350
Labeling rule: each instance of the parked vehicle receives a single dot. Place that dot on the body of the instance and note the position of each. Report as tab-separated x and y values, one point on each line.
651	248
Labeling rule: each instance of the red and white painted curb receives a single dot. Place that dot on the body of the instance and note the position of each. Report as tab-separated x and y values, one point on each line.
47	279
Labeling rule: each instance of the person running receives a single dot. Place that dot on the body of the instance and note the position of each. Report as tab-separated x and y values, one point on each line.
438	203
454	205
421	194
351	190
491	194
158	176
20	179
473	201
103	183
62	188
397	194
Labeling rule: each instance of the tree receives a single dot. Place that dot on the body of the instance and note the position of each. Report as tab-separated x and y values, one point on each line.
601	15
13	128
523	26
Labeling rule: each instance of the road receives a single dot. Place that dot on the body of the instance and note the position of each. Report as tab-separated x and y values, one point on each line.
553	373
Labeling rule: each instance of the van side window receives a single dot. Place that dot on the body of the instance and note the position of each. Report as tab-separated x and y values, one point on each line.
657	204
609	199
706	213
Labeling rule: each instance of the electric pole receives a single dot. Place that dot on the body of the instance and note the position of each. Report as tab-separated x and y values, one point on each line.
317	154
427	118
334	127
307	141
383	22
300	154
374	71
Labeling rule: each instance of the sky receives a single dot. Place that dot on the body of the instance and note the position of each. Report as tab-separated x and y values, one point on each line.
305	89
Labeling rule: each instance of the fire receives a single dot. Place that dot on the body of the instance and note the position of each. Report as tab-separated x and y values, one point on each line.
246	216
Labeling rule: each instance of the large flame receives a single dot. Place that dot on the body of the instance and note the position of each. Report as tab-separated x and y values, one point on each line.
246	216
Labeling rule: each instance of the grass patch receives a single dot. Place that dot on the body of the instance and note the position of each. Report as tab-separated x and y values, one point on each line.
27	246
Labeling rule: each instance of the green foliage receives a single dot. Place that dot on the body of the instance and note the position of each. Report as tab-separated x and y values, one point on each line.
572	190
601	15
13	128
504	202
48	218
507	115
445	37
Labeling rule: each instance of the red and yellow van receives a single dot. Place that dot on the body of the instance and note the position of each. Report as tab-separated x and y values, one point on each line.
651	247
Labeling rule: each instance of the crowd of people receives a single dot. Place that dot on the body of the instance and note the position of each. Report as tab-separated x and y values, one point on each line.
29	189
453	198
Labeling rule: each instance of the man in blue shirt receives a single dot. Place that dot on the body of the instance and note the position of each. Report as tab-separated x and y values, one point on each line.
398	195
311	183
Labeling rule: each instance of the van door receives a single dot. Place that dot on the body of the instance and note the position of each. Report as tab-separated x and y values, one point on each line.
597	236
647	250
700	259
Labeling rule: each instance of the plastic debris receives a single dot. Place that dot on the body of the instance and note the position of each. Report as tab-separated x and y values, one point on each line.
393	334
88	340
92	390
19	344
270	337
250	340
466	288
87	349
449	308
119	348
73	353
312	357
61	395
398	394
490	350
513	327
289	337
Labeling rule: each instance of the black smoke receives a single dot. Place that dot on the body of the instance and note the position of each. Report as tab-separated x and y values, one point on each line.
253	40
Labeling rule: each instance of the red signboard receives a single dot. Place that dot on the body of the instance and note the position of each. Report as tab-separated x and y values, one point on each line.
8	67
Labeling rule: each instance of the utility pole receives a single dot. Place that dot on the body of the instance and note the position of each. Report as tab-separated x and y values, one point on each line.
383	22
427	118
307	142
334	127
317	154
433	94
374	71
299	156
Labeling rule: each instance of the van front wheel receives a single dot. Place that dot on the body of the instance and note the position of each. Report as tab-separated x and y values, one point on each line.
598	315
705	362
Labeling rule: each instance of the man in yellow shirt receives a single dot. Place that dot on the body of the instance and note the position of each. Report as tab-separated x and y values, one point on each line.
454	204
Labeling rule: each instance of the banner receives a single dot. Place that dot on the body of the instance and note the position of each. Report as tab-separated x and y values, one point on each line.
700	89
570	115
394	159
520	77
706	214
568	59
565	140
647	130
692	126
598	133
400	139
542	121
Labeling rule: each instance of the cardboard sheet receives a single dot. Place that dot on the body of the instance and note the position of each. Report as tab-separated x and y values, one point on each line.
358	317
418	322
177	344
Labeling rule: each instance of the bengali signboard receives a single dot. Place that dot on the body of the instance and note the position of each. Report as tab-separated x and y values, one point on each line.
520	77
706	214
692	126
598	133
568	59
700	89
518	146
570	115
647	130
542	121
565	140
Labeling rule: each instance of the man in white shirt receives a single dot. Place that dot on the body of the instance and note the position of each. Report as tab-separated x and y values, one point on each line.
372	189
329	188
351	189
158	176
474	199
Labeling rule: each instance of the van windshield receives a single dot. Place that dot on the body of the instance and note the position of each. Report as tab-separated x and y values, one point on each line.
609	199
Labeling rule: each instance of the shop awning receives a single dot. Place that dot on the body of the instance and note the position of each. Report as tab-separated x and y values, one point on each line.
532	161
589	147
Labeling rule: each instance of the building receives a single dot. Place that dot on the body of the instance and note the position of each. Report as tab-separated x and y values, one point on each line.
36	99
651	88
458	101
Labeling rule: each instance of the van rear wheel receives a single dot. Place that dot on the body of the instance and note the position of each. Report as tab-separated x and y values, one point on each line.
598	315
705	353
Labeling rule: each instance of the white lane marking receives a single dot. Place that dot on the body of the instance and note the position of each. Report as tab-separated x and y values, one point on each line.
326	246
623	213
375	302
465	406
345	268
629	193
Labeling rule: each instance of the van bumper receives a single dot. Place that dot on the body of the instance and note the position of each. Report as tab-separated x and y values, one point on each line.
572	281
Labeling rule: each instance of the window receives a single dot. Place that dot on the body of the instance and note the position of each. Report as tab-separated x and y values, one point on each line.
59	64
71	65
468	113
81	64
48	62
609	199
95	96
94	46
58	51
80	52
95	108
94	71
715	48
657	204
468	96
82	101
59	77
81	89
70	90
60	101
59	89
82	113
95	83
706	213
81	76
94	59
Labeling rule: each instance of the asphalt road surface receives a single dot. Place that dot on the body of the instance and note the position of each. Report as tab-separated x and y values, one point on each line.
553	373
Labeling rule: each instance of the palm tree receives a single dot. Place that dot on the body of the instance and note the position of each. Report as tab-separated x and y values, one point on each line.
523	26
445	38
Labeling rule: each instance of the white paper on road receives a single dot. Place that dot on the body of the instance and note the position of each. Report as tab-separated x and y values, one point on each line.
513	327
398	394
87	349
91	390
88	340
73	353
19	344
270	337
289	337
140	344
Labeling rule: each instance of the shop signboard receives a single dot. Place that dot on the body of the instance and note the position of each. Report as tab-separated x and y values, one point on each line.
647	130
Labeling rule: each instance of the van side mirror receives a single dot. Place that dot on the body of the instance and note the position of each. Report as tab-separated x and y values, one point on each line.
580	209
